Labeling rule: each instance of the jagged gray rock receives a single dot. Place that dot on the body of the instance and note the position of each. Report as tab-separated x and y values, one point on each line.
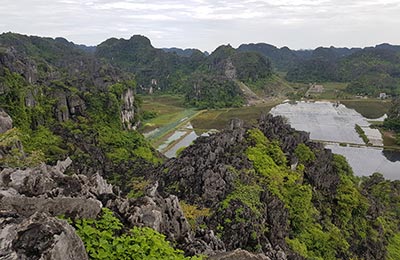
39	237
5	122
46	189
239	254
164	214
71	207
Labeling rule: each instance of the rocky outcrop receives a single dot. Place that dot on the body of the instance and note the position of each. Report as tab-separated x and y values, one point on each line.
200	175
5	122
14	61
207	172
38	236
230	70
239	254
47	191
68	105
128	109
320	172
164	214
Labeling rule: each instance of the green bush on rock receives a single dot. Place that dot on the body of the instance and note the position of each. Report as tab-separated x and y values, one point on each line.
104	239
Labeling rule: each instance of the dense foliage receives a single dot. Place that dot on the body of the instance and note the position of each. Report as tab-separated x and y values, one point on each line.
213	92
369	71
152	67
207	81
105	238
392	122
328	231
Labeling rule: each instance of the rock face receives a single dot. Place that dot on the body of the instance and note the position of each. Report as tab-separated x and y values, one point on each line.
200	174
31	199
128	109
239	254
39	236
5	122
46	189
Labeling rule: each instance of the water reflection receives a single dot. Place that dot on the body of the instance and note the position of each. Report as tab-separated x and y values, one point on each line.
391	155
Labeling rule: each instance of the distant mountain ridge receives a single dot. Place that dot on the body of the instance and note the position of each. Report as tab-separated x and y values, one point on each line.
368	70
183	52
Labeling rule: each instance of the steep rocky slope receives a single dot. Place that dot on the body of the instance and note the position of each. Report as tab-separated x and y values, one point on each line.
271	190
65	102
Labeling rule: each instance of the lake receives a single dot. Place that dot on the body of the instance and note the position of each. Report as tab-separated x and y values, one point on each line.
334	123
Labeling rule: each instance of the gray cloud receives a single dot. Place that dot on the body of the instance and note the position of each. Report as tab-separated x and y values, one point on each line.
205	24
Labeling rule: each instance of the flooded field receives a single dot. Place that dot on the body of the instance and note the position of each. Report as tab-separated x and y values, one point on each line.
331	122
367	160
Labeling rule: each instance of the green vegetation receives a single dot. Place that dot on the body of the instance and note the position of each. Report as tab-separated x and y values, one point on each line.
369	71
394	248
76	114
138	187
249	195
206	82
319	227
393	120
210	91
32	121
10	142
104	239
362	134
304	154
370	108
309	237
193	214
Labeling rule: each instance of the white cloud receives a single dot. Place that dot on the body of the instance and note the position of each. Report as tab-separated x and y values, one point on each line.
207	23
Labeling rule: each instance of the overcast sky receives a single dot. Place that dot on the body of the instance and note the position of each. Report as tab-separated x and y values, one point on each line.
206	24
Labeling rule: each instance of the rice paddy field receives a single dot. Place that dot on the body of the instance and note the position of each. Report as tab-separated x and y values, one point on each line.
220	118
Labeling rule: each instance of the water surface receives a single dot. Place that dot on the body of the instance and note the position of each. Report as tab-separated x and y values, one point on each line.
330	122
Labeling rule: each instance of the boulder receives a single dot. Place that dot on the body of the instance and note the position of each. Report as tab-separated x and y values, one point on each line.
39	236
5	122
239	254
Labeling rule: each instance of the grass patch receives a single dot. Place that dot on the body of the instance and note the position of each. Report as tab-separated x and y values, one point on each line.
389	138
271	86
369	108
362	134
167	108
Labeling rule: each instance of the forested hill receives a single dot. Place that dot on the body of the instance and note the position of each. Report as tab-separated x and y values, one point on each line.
153	68
183	52
65	102
369	71
207	81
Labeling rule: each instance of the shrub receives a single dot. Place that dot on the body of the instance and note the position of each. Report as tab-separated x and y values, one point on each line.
102	241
